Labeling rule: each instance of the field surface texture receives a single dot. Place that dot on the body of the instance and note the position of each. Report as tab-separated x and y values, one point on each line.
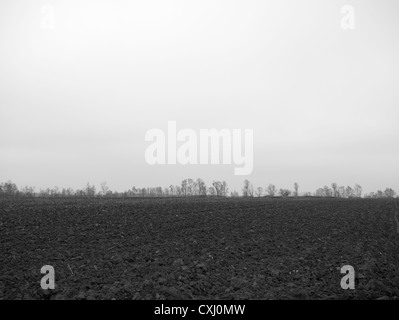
193	248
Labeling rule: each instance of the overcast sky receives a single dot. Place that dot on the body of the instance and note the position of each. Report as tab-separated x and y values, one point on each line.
76	100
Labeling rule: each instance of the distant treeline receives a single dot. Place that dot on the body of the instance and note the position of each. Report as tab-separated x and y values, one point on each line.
190	188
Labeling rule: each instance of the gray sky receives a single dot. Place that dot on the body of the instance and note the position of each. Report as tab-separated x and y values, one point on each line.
77	99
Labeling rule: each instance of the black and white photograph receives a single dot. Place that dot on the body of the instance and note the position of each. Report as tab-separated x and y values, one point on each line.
224	151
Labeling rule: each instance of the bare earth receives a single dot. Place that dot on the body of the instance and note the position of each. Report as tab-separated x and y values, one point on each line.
198	248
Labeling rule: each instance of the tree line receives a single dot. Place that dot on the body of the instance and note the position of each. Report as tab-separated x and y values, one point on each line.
188	187
194	187
333	191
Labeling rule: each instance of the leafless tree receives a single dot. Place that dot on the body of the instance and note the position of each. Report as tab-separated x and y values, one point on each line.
349	192
225	189
358	191
271	190
218	187
328	191
296	188
247	190
334	186
90	191
186	187
211	191
105	188
341	192
201	187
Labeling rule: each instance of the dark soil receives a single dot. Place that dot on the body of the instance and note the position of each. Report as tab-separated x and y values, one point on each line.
191	248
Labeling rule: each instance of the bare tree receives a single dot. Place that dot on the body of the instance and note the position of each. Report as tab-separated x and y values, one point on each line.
211	191
334	186
259	191
201	187
225	189
328	191
90	191
358	191
296	188
188	187
349	192
341	192
172	190
105	188
218	188
191	187
184	187
271	190
247	190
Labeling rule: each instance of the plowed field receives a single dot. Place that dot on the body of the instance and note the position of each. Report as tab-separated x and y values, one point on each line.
191	248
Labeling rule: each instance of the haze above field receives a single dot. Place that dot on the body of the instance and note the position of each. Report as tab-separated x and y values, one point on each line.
77	99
